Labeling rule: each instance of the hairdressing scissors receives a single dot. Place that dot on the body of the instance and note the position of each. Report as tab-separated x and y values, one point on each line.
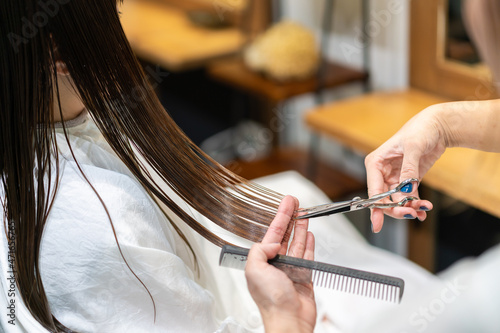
356	203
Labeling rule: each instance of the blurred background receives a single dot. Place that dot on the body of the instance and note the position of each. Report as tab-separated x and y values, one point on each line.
265	86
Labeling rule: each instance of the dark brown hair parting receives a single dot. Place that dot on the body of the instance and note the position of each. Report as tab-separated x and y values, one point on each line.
106	74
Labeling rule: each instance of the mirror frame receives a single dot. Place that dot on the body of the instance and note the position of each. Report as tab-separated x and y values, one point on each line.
430	70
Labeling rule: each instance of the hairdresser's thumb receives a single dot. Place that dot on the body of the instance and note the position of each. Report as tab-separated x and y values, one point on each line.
410	166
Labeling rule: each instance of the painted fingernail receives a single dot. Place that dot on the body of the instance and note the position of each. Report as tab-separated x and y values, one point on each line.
423	208
408	216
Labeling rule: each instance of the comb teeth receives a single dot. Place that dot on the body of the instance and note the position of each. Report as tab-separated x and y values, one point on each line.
353	281
356	286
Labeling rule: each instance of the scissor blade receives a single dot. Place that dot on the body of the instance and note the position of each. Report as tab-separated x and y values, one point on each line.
318	211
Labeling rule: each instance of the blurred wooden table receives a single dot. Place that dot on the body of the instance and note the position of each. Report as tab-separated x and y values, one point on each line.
364	123
235	73
164	35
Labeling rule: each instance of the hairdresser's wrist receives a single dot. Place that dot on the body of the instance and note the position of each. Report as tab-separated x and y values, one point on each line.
448	119
469	124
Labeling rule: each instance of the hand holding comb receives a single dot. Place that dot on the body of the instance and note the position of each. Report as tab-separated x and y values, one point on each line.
382	287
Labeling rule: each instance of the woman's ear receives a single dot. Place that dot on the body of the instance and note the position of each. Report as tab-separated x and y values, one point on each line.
61	68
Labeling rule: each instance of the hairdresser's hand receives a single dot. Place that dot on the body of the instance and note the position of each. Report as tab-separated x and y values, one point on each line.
410	153
285	306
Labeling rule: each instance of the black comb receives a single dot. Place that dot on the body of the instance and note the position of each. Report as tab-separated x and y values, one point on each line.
382	287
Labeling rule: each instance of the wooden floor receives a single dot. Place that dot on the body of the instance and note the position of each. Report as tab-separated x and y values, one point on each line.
334	183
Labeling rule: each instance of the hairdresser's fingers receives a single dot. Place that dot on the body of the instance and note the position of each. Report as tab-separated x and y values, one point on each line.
416	209
298	245
376	183
289	230
259	255
376	172
310	244
422	208
377	218
278	227
262	278
413	210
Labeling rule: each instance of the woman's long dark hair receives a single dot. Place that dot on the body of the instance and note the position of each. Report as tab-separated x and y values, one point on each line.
87	36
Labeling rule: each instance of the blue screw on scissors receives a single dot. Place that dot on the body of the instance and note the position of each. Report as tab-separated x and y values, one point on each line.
405	186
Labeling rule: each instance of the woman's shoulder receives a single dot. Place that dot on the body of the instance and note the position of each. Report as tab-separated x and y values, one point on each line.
104	200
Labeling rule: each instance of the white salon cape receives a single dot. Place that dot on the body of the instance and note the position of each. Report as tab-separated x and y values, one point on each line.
90	288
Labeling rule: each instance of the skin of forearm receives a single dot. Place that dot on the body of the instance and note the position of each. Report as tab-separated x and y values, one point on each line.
277	323
474	124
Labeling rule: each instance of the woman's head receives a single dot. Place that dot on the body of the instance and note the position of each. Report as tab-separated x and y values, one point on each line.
37	36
